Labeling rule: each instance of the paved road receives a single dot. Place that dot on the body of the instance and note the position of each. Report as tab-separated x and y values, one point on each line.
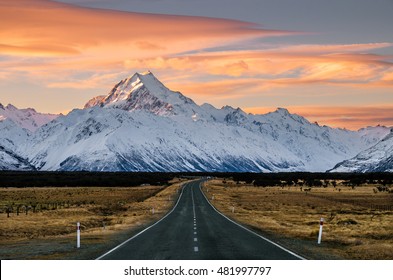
195	230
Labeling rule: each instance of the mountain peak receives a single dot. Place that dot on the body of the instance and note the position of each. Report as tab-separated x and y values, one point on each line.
146	79
11	107
282	111
141	91
143	77
146	73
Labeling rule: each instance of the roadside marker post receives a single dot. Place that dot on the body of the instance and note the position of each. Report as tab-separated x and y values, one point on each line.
320	230
78	235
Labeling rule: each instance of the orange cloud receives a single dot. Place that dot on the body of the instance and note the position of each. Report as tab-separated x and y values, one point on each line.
217	90
55	45
104	80
71	40
388	77
43	27
286	65
245	75
333	48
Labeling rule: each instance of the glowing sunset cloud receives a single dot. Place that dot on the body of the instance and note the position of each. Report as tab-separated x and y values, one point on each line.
47	28
51	51
60	45
257	71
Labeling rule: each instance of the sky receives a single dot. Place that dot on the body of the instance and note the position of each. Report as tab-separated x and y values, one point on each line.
329	61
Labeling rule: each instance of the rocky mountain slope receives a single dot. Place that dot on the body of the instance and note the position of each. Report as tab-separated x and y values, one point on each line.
378	158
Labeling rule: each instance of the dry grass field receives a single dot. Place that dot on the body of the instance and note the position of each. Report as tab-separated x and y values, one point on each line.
107	216
358	221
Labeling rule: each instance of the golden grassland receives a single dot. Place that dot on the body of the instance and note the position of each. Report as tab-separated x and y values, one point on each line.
107	215
355	225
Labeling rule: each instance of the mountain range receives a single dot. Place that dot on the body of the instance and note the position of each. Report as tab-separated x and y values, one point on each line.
141	125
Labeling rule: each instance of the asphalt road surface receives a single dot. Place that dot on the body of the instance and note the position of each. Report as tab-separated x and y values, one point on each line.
195	230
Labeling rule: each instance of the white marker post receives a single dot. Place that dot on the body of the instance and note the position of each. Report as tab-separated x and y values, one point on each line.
320	230
78	235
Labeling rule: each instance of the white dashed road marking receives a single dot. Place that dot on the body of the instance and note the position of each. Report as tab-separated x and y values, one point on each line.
196	248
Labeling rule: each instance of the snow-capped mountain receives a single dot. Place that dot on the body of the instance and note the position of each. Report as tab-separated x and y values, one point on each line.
144	92
378	158
143	126
12	138
26	118
16	127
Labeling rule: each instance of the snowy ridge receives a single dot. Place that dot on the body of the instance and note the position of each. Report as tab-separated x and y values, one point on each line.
26	118
378	158
142	141
12	137
143	126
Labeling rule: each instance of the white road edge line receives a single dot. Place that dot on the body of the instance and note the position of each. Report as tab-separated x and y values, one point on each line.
250	231
120	245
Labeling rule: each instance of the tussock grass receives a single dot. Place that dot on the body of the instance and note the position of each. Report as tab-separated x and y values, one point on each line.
353	228
102	212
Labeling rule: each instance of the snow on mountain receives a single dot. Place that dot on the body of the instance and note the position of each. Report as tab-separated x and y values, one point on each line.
26	118
318	147
373	134
378	158
108	140
12	137
143	126
144	92
95	101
